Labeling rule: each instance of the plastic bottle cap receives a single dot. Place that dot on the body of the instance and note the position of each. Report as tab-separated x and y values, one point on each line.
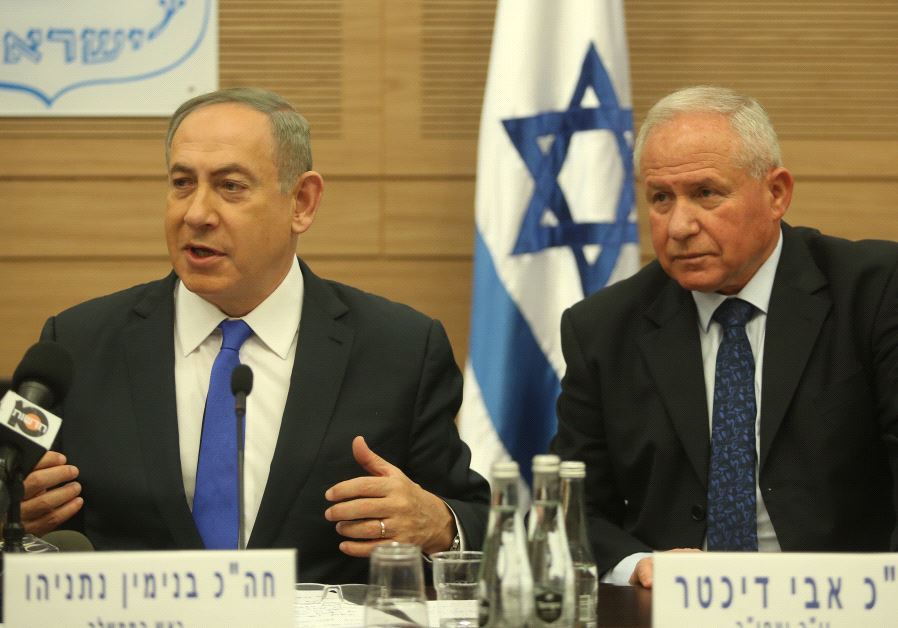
572	469
506	469
546	463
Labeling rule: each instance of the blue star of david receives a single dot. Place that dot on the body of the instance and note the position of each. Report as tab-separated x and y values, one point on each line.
545	166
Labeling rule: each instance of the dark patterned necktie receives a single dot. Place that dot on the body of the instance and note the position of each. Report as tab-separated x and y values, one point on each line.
732	518
215	496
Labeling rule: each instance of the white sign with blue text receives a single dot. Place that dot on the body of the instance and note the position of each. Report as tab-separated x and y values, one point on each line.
180	589
760	590
105	57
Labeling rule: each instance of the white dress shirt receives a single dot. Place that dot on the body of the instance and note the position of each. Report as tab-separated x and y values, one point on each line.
270	352
757	292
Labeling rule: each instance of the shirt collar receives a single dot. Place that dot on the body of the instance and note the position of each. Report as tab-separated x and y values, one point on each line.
756	291
274	321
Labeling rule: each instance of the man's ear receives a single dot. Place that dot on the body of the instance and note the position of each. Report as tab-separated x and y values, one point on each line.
306	198
779	185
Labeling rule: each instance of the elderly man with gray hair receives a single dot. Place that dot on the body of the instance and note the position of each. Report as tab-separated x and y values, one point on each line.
740	392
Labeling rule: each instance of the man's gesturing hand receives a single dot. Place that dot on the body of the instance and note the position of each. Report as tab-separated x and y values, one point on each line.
386	506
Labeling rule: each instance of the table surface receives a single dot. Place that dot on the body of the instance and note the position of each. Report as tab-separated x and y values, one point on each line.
624	607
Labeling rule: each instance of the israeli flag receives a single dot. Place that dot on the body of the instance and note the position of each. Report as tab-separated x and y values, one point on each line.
555	211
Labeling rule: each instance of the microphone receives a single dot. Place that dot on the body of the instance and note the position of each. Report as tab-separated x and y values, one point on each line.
41	379
69	541
241	386
28	429
44	375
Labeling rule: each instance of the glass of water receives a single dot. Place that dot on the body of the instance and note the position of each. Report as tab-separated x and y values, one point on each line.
455	580
395	595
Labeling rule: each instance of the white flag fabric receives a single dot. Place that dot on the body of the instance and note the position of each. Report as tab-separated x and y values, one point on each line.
555	211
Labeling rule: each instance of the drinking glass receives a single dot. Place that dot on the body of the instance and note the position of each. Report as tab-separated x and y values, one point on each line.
455	580
395	595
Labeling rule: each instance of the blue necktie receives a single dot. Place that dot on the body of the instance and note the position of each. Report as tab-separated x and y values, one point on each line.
732	519
215	496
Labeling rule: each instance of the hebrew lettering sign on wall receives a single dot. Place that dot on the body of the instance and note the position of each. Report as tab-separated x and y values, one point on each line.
105	57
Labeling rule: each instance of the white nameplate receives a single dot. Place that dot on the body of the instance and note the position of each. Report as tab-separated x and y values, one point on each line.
177	589
757	590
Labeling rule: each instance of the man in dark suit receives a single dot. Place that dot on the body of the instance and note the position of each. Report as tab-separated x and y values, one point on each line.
339	374
646	367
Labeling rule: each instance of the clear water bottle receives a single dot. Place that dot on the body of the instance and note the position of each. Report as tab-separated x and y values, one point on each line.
554	601
505	585
573	476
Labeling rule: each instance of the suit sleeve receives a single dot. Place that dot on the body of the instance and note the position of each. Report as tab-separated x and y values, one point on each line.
49	330
48	333
581	436
439	460
885	359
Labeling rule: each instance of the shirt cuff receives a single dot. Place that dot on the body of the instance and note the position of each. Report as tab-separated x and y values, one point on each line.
458	531
621	572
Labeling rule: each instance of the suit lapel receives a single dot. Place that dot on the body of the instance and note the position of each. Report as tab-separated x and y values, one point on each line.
794	319
322	354
149	349
673	354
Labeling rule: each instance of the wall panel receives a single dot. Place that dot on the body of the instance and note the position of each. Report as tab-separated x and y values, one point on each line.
429	217
853	209
44	286
435	59
823	68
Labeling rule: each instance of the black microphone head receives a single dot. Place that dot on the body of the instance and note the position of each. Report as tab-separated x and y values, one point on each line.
241	379
48	363
69	541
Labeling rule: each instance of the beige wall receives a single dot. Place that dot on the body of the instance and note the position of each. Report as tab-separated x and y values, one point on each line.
393	89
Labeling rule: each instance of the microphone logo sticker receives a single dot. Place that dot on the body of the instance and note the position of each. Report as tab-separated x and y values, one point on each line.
28	419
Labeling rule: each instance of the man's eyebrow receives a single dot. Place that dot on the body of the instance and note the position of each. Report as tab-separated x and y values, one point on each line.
705	182
697	182
181	168
222	170
234	168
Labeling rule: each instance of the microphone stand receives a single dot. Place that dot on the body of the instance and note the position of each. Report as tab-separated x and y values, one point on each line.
241	385
11	474
240	411
14	531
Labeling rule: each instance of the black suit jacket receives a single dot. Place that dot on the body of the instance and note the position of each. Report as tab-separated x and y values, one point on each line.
633	404
364	365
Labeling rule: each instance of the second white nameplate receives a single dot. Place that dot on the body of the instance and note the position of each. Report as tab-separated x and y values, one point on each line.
755	590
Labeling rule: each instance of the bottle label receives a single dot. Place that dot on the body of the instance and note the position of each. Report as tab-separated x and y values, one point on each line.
586	609
483	612
548	605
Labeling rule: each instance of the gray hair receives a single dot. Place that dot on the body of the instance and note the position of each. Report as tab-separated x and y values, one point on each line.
760	150
293	147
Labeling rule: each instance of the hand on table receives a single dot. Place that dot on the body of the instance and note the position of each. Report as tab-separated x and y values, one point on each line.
643	573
